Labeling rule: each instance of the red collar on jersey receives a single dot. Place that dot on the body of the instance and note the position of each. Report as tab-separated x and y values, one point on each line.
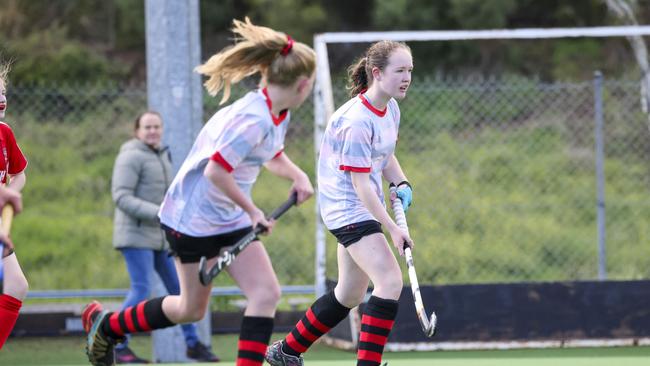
374	110
283	114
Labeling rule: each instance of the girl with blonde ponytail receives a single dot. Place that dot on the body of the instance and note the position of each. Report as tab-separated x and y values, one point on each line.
209	207
279	59
357	150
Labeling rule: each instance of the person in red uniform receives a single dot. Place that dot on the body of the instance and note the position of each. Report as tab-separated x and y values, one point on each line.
12	176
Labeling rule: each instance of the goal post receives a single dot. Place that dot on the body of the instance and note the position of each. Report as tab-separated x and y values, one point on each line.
324	104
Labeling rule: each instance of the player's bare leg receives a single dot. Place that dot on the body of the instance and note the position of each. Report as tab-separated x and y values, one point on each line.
253	273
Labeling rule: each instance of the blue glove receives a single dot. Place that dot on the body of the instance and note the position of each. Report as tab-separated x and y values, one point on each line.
405	194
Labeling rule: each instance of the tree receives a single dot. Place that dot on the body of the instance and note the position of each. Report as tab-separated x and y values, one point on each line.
626	10
298	18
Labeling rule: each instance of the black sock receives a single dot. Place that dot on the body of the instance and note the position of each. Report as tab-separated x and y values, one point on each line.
253	340
376	323
143	317
323	315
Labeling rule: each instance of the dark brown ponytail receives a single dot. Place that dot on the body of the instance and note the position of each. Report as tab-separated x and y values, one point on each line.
357	77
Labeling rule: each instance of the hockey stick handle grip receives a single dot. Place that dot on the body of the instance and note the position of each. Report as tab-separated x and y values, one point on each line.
7	218
398	209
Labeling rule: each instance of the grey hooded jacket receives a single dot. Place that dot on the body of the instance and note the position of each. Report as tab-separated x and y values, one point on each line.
141	176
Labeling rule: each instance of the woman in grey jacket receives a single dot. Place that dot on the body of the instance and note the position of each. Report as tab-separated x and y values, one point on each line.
141	175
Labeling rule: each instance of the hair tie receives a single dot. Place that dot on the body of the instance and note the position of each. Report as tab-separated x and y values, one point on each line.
288	47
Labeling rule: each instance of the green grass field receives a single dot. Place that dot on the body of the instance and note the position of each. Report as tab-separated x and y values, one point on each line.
69	351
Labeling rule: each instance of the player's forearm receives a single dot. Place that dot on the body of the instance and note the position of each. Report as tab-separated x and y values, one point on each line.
17	181
223	180
11	197
370	200
393	172
283	167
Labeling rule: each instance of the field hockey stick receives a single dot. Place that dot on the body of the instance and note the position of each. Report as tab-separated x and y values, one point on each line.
428	326
7	217
228	256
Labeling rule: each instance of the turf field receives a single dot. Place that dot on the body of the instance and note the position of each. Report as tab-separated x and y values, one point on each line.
69	351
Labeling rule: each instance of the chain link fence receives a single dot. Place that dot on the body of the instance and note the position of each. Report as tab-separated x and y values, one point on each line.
503	171
505	184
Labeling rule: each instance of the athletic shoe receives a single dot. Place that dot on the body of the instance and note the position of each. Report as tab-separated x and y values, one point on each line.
276	357
99	347
201	353
126	355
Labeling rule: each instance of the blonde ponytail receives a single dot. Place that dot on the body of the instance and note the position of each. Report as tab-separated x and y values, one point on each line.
5	67
276	56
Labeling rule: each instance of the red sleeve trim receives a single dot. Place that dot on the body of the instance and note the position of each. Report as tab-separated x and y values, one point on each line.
278	154
354	169
15	157
18	169
217	158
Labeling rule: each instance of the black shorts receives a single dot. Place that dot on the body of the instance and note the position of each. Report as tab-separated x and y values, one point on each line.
190	249
350	234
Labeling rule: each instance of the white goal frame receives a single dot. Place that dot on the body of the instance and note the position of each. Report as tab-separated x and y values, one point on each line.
324	104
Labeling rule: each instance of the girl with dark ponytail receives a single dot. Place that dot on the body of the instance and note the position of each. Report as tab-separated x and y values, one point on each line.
356	152
358	80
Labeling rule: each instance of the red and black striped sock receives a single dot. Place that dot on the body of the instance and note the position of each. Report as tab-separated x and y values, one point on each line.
143	317
323	315
9	310
253	340
376	323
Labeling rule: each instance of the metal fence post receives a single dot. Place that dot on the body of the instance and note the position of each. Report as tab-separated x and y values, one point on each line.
323	109
174	90
600	174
